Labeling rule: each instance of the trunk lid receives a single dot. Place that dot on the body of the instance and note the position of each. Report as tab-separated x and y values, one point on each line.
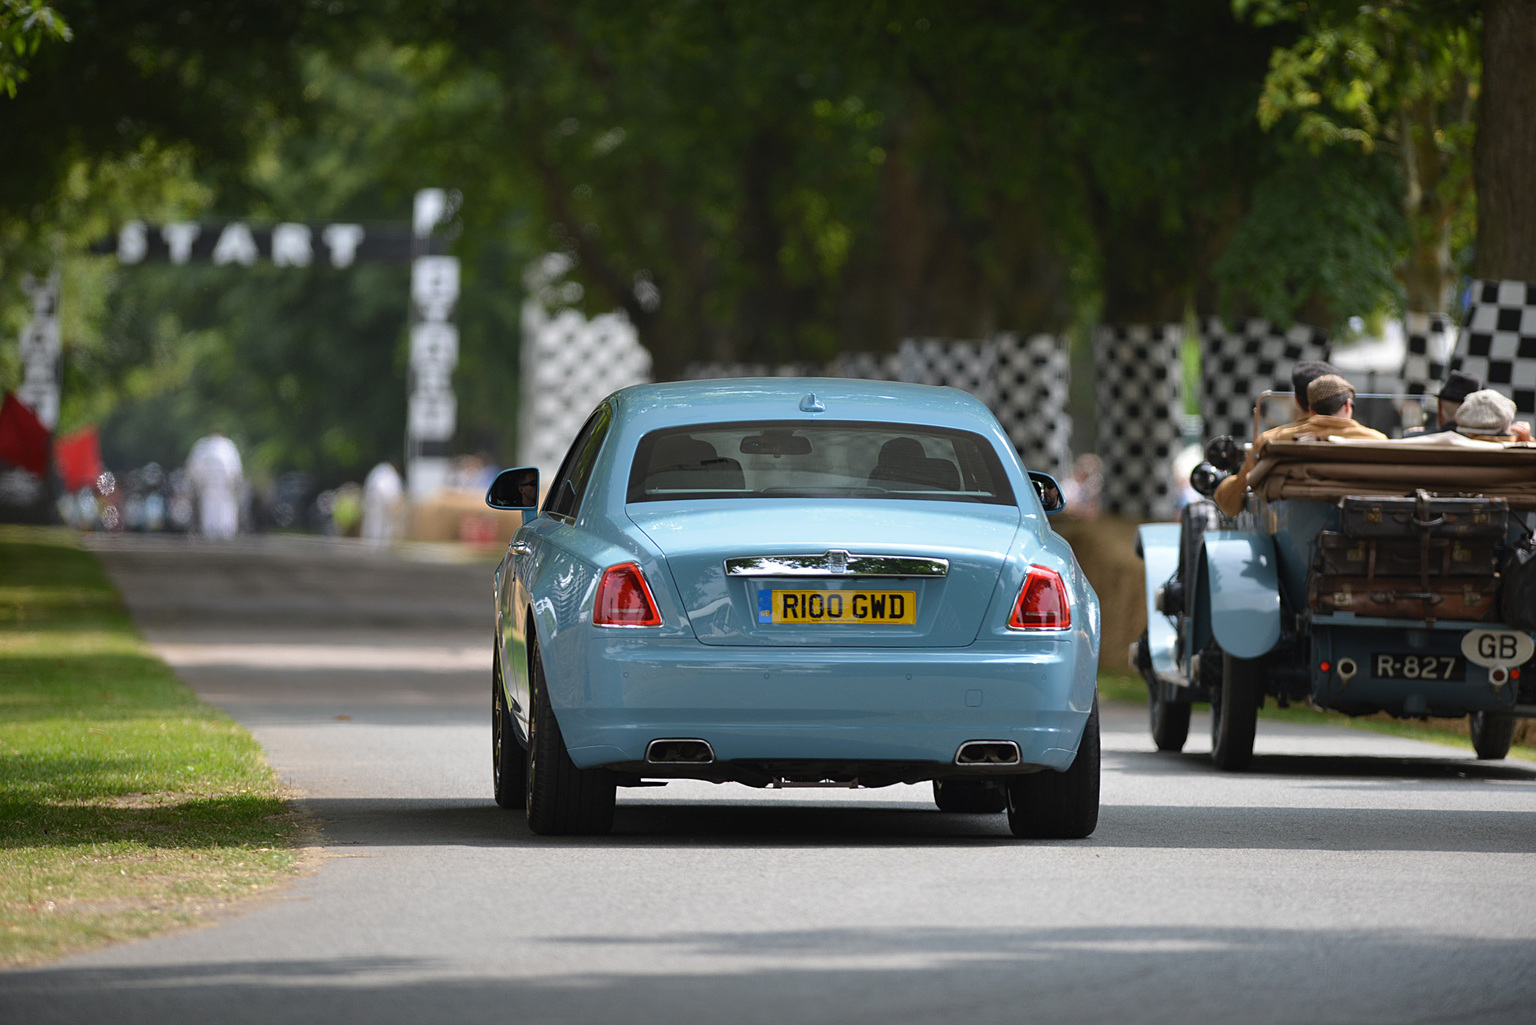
831	573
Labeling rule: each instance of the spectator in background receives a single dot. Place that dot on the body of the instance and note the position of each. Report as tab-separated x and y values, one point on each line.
217	477
382	494
1081	490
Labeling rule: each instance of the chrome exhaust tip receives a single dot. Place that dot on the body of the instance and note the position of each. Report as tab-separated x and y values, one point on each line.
988	752
679	750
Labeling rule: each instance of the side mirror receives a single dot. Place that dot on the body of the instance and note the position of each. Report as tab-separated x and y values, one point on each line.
1048	490
516	490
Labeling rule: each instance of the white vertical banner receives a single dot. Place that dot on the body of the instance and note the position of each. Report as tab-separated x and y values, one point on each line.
41	349
432	406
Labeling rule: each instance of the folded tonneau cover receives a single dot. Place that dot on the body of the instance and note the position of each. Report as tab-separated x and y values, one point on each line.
1329	470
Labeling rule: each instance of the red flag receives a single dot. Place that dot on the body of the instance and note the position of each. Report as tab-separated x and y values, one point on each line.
78	457
23	438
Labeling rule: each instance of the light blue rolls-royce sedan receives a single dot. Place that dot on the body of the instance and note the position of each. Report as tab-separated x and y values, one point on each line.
791	582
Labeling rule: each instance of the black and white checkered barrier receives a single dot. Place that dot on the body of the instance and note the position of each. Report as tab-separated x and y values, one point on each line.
1033	375
1022	380
1431	338
1241	360
1498	345
1140	397
866	366
569	364
713	371
969	366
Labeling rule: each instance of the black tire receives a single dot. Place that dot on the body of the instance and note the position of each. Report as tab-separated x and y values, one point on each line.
509	762
562	799
1492	733
1060	805
970	797
1169	719
1235	712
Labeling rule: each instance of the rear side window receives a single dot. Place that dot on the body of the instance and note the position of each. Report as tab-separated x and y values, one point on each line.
795	459
570	483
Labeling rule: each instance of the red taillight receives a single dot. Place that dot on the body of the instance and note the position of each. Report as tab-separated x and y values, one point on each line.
1042	603
624	598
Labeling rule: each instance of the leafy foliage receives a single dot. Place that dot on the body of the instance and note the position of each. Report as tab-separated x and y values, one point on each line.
24	26
1399	77
747	180
1321	231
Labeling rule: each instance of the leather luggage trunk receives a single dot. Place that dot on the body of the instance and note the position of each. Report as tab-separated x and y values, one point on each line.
1405	597
1365	517
1404	556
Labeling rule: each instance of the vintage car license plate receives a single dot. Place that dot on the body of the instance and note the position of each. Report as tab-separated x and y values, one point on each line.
866	608
1391	665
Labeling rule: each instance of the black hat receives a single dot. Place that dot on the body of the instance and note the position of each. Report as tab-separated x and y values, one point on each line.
1458	386
1305	372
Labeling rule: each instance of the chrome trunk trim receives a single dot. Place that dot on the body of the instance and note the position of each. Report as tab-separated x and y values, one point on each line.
836	563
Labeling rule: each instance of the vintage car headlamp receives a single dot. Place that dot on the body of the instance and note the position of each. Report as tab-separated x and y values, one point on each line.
1204	478
1224	453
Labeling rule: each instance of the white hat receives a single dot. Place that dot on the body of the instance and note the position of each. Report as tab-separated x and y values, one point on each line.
1485	412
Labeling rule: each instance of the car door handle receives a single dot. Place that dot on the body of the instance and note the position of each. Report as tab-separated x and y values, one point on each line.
520	548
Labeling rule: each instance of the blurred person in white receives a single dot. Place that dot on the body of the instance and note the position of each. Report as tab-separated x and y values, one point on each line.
217	476
382	492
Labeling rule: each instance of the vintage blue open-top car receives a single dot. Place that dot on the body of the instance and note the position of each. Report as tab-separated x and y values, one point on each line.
793	582
1361	576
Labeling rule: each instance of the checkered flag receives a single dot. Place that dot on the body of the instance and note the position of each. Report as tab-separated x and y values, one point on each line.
1499	344
1241	361
1032	378
1141	396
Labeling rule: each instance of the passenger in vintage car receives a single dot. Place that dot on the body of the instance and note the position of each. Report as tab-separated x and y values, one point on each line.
1330	401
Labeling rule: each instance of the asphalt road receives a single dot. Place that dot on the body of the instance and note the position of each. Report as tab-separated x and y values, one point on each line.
1350	877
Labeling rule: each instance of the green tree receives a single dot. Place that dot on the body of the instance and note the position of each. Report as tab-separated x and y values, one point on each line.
1398	78
24	26
1505	153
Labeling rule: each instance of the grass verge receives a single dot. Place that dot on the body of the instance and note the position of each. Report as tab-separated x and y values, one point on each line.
1453	732
127	806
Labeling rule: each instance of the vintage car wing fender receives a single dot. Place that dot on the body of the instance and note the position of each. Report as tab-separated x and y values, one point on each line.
1158	544
1240	591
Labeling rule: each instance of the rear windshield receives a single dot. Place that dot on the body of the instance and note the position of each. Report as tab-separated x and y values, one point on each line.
795	459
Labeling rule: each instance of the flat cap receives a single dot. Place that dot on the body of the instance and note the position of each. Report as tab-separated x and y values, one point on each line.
1326	387
1485	412
1458	386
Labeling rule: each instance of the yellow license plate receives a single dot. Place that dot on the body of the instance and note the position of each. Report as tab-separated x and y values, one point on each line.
867	608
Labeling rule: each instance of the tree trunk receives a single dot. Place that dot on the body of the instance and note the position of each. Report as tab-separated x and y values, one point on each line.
1504	157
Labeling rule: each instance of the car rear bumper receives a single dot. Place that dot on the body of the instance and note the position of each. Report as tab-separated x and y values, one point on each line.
825	705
